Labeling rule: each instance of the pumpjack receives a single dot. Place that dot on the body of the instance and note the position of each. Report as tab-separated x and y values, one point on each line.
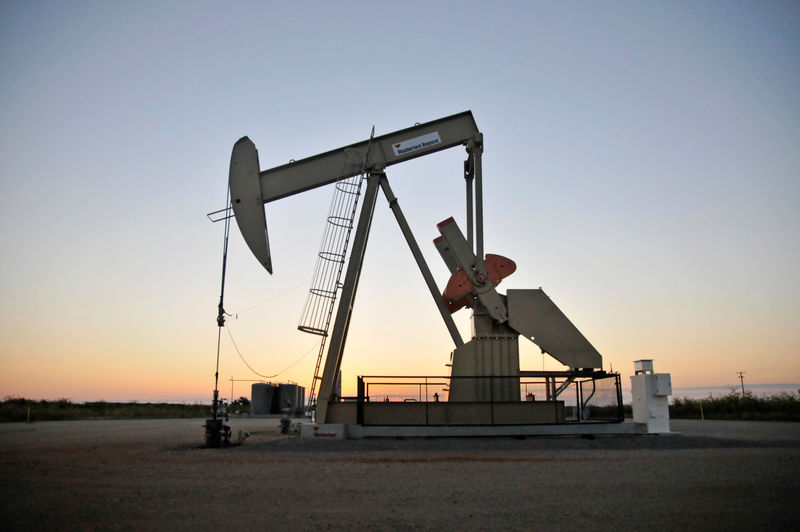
485	370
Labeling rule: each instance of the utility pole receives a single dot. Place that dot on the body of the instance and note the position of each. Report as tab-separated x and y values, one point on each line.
741	379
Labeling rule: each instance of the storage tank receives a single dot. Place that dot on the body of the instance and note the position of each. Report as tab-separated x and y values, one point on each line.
301	404
291	396
262	396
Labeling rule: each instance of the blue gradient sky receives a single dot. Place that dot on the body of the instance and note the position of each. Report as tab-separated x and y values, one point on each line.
642	165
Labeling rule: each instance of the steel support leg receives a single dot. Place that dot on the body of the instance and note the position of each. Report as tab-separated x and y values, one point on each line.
333	361
423	266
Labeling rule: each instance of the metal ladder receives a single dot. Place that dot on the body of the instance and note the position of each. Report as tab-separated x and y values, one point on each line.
325	284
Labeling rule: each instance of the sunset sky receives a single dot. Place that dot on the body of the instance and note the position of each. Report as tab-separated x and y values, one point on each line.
642	166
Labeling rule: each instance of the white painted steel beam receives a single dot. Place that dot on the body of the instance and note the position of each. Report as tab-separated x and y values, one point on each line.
251	188
385	150
421	264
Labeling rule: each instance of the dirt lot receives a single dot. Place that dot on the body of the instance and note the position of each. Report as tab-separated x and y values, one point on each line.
146	475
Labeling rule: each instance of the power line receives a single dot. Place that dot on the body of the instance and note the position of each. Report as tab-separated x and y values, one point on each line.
272	298
268	376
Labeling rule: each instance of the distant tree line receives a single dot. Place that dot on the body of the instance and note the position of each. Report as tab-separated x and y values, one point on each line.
776	407
19	409
240	406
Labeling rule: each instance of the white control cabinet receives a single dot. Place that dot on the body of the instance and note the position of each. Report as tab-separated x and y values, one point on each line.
651	393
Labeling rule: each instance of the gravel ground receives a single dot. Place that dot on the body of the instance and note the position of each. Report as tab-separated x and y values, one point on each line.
152	474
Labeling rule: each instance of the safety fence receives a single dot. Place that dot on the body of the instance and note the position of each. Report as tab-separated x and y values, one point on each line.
579	397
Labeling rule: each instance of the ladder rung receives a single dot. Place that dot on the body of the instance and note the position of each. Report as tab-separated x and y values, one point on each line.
341	221
330	294
349	187
330	256
312	330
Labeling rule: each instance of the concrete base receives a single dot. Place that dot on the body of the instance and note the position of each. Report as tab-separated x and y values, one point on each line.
341	431
327	431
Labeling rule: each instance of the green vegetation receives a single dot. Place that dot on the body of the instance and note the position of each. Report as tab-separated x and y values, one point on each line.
777	407
240	406
17	409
